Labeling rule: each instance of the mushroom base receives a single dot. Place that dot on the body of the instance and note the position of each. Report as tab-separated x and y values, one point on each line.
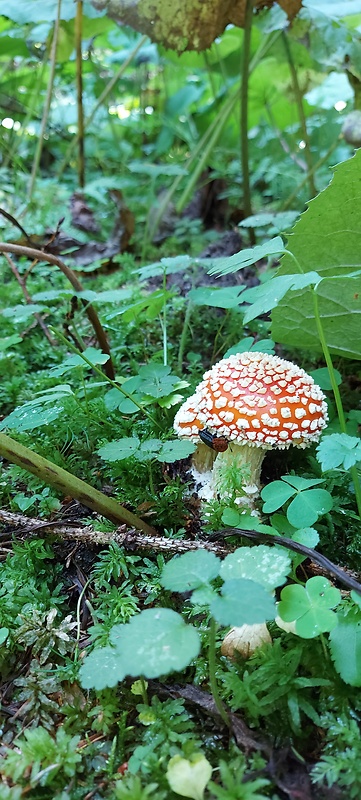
236	474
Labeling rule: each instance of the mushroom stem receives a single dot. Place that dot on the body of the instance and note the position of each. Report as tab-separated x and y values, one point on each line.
236	473
202	465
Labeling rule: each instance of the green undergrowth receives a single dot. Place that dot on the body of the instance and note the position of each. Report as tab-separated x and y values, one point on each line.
115	680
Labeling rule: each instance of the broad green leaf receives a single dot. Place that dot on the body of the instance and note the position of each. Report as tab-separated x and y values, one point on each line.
307	536
310	606
101	669
53	294
268	566
166	266
91	353
356	597
308	506
9	341
189	571
279	220
293	321
155	170
116	399
345	646
339	450
269	294
275	494
119	449
29	417
149	449
327	239
155	642
228	297
22	313
223	266
321	376
336	9
111	296
175	450
189	778
242	602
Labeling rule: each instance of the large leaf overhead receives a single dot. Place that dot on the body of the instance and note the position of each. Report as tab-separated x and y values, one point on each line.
326	239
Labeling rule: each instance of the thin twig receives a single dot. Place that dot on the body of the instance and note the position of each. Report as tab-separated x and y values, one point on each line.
131	539
40	255
28	299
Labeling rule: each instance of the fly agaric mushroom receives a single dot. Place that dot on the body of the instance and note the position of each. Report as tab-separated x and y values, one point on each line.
257	402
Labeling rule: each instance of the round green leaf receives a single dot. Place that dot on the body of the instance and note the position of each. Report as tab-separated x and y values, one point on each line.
308	506
101	669
268	566
190	571
345	647
243	602
157	641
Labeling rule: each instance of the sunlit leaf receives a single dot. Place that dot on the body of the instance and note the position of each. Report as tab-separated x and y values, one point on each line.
339	450
242	602
268	566
247	257
155	642
190	570
310	606
189	778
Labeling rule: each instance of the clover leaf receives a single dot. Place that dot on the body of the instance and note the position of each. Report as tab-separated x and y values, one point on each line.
308	504
309	606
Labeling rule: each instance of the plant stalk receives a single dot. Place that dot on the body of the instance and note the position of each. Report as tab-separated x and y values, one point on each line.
101	374
301	114
212	673
79	91
336	392
49	92
108	89
69	484
246	55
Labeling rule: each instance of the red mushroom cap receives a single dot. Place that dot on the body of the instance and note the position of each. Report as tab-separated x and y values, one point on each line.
256	399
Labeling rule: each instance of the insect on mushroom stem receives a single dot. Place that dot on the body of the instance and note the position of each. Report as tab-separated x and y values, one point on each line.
256	402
